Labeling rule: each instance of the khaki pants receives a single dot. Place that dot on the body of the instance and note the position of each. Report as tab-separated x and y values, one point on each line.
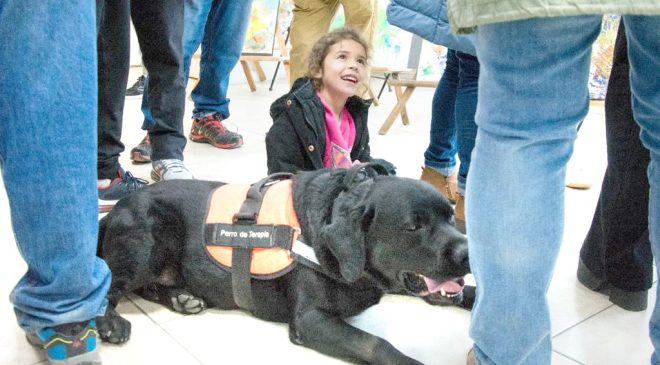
312	18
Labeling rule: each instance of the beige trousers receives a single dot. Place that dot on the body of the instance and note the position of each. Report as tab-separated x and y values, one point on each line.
312	18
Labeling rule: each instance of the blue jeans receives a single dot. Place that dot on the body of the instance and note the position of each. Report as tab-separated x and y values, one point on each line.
533	92
220	27
50	172
452	119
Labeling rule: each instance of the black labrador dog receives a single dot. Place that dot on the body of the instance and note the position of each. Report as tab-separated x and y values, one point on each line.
371	235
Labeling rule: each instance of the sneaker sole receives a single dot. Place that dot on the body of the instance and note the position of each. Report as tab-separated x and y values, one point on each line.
89	358
139	158
230	146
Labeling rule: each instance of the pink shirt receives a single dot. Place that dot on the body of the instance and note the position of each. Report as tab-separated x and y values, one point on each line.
339	137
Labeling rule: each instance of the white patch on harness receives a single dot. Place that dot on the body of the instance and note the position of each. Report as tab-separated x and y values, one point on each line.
302	249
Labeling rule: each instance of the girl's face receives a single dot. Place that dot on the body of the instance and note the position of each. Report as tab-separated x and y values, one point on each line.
343	69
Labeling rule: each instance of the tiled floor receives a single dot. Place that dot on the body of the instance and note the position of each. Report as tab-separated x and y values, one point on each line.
587	328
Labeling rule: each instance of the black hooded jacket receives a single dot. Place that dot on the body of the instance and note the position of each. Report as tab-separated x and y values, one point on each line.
296	140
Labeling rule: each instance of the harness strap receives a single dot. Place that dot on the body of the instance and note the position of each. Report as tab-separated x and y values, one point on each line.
242	253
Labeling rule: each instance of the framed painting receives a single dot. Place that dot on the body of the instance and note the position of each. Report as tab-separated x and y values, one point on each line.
260	36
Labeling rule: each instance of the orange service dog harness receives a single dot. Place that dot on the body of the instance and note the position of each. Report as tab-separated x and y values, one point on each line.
252	231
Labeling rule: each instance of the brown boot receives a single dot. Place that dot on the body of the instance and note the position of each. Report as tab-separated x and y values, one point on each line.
459	213
446	185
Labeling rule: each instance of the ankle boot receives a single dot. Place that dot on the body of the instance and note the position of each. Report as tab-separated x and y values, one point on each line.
446	185
459	213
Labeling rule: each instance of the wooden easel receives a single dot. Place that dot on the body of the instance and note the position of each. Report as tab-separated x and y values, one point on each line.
282	57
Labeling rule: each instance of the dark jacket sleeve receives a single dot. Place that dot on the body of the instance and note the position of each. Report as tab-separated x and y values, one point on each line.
283	149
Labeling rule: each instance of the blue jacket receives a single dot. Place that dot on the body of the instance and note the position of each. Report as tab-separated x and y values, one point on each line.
428	19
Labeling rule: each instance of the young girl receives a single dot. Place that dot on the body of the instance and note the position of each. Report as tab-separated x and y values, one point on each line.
321	122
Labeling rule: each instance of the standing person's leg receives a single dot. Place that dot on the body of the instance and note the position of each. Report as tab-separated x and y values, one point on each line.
222	45
159	27
113	39
440	156
52	183
361	15
195	13
532	94
616	254
466	128
643	34
311	19
113	64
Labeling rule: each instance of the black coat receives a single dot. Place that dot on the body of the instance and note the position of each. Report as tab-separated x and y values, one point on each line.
296	140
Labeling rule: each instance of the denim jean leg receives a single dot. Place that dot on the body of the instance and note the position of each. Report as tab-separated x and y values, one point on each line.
113	17
643	34
195	13
441	152
516	181
159	28
53	182
464	111
221	50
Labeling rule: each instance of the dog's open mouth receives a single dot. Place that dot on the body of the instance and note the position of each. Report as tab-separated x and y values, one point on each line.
433	291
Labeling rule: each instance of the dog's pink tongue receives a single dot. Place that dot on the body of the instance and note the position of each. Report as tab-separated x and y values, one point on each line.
449	286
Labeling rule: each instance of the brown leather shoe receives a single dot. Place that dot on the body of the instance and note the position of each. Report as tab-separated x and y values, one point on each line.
459	213
446	185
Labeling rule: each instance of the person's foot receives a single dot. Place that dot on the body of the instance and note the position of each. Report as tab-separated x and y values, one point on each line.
633	301
210	129
68	344
142	152
169	169
138	87
111	190
446	185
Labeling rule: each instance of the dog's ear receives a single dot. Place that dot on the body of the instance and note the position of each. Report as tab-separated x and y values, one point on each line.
345	235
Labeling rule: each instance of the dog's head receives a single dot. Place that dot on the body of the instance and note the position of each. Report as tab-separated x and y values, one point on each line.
402	232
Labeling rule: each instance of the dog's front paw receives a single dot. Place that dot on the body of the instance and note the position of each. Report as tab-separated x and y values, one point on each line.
187	303
113	328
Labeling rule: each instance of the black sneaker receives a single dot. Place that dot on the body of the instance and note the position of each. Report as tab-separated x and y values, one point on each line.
122	185
138	87
69	344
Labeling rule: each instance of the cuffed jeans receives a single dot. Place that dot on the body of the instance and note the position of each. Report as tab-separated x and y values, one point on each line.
452	118
48	156
220	27
533	93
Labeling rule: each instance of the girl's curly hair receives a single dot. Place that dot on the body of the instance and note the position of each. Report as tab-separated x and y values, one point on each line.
322	47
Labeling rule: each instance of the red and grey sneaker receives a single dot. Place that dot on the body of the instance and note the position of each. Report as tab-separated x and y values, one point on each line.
69	344
142	152
209	129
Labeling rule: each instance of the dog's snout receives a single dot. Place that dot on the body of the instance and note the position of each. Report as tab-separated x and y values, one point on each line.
460	256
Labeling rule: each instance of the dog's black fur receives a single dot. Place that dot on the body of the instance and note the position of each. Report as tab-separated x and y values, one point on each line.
372	238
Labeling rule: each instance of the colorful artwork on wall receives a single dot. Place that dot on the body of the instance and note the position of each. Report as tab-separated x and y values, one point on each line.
260	37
